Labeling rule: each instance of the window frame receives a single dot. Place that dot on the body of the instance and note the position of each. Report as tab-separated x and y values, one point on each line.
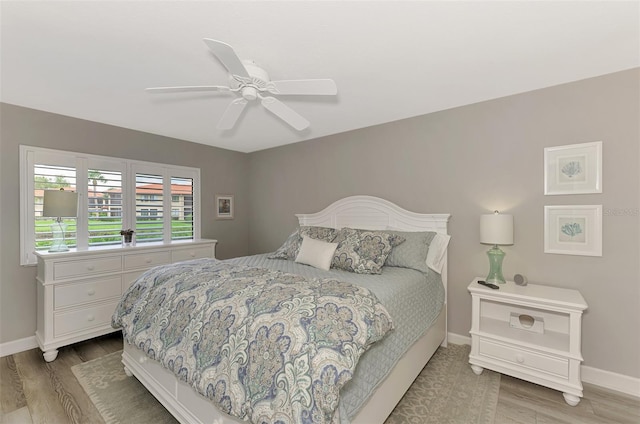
82	162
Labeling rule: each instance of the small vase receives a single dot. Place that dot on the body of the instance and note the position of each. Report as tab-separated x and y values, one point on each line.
127	240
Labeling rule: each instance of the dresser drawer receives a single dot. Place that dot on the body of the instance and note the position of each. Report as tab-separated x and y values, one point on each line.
69	269
146	260
90	291
525	358
192	253
83	319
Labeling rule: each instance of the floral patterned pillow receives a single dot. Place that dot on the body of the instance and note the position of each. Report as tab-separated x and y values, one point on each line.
289	250
363	251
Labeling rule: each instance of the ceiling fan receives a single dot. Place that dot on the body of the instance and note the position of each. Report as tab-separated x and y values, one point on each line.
253	83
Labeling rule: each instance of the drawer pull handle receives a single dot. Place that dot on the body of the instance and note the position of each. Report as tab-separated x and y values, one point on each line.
520	359
148	260
90	267
91	318
91	292
192	254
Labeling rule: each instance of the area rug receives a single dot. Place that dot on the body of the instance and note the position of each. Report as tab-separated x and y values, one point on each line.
445	392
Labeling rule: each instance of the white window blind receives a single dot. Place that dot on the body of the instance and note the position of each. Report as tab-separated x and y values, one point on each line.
149	208
181	208
104	207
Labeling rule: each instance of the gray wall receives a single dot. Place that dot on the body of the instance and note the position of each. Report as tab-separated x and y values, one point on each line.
465	161
474	159
222	171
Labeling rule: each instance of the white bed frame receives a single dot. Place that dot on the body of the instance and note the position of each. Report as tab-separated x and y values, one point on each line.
366	212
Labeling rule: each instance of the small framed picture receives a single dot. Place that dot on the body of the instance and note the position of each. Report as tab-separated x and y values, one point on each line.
573	230
573	169
224	206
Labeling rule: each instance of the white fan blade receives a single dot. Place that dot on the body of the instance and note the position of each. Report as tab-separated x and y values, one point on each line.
285	113
227	56
231	115
322	87
220	88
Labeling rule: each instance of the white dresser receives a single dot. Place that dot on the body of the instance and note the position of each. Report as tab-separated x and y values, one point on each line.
530	332
79	290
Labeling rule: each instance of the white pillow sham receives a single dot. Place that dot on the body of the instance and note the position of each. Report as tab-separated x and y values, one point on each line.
437	250
316	253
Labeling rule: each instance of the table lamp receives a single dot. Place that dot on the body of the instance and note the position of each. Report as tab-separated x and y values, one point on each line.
59	204
496	229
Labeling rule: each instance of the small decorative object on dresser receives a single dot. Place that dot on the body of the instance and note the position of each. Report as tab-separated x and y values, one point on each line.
530	332
127	237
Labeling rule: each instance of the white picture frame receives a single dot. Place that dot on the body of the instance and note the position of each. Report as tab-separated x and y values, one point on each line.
224	206
573	169
573	230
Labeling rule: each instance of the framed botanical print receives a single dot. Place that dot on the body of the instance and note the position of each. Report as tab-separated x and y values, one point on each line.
573	169
573	230
224	206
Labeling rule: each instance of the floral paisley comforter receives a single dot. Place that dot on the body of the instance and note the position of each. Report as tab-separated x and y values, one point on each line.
264	345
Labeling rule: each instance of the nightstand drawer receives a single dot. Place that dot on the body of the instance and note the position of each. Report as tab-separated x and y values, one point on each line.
193	253
146	260
83	319
62	270
524	358
90	291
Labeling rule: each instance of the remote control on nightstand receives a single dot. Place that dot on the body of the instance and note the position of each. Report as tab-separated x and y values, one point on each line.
490	285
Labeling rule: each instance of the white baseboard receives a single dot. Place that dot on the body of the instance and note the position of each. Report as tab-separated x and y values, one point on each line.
17	346
606	379
611	380
458	339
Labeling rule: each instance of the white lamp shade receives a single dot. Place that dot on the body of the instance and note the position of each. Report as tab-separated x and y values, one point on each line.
58	203
496	228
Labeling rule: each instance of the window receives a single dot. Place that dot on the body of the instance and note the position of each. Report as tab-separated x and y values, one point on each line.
113	193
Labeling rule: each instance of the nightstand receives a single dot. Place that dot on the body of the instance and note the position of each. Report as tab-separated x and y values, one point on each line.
531	332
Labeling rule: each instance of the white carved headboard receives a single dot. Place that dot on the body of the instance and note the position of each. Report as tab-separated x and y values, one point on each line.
373	213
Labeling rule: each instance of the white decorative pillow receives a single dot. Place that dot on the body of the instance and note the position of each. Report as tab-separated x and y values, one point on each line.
437	250
316	253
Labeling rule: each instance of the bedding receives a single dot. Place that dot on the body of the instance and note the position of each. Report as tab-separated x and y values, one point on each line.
263	344
413	299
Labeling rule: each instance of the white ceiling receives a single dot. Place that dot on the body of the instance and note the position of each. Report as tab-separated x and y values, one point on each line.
390	59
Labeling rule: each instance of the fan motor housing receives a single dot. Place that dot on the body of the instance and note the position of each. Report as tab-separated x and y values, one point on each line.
259	79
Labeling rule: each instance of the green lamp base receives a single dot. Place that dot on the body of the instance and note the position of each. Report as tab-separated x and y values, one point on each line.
495	262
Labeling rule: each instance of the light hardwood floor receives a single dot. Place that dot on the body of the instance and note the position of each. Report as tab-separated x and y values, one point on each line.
33	391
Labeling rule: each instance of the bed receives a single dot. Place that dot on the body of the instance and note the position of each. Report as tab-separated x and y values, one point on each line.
377	384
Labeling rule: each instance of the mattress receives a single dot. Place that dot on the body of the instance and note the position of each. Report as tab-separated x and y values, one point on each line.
412	298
